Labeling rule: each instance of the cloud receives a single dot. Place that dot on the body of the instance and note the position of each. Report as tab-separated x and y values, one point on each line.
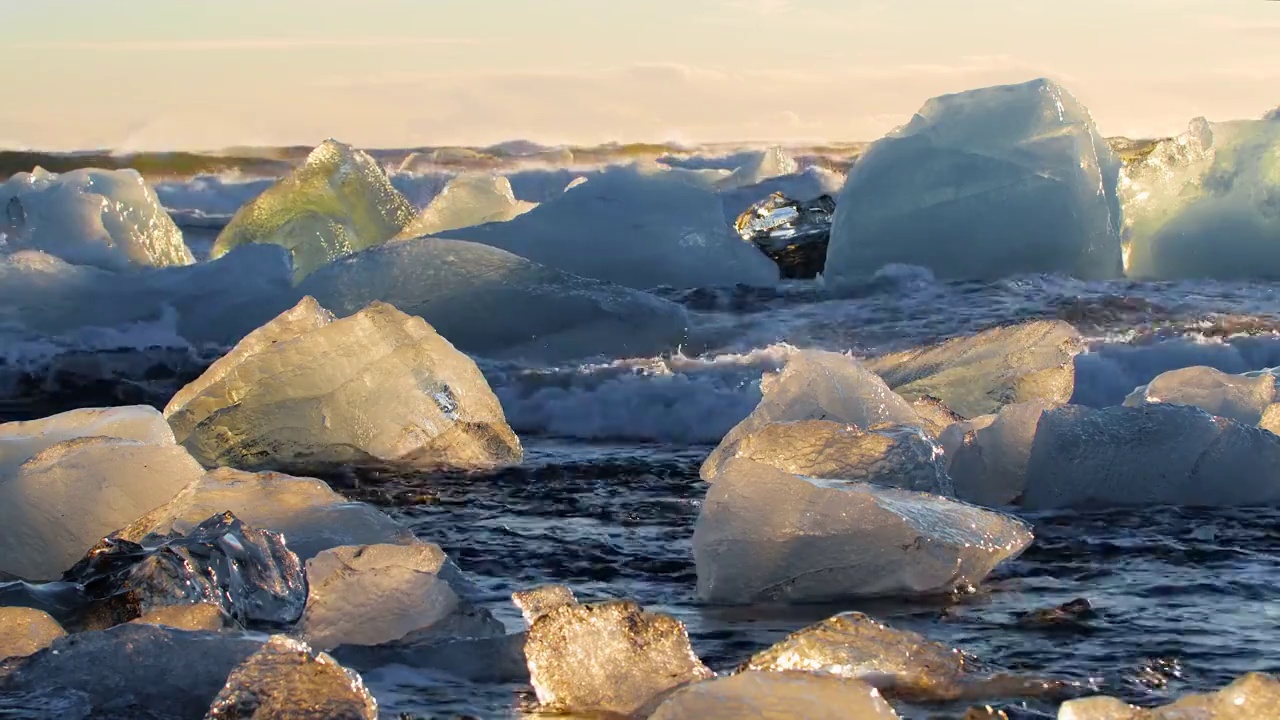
272	43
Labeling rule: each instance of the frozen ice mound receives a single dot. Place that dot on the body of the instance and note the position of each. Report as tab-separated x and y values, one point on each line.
764	535
609	657
307	512
375	594
21	441
287	679
110	219
26	631
984	184
1243	398
763	165
135	671
768	696
337	202
64	500
1255	695
816	385
1150	455
979	374
1206	203
989	465
633	228
489	302
467	200
378	386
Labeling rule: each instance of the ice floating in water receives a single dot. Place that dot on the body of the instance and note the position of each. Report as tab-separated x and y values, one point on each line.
637	229
1243	398
489	302
107	218
1151	455
984	184
306	390
979	374
989	465
467	200
21	441
287	679
765	535
1206	203
26	631
1253	696
339	201
536	602
768	696
609	657
816	385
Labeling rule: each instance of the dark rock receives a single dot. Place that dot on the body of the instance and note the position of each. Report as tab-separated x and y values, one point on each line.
1068	616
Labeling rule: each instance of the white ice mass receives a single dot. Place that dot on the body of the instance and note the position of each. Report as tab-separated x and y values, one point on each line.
983	184
466	200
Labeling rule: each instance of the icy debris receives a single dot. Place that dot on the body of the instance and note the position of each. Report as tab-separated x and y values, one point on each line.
105	218
21	441
377	386
1204	204
26	631
609	657
199	616
1151	455
248	572
64	500
766	535
765	164
793	234
375	594
287	679
467	200
990	465
637	229
979	374
489	302
1243	398
816	385
307	512
536	602
769	696
134	671
1255	695
338	202
984	184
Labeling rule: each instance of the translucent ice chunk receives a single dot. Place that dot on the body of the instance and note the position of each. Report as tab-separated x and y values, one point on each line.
816	385
467	200
935	416
766	535
953	437
536	602
26	631
377	386
979	374
107	218
339	201
1243	398
768	696
1151	455
1271	418
1255	695
989	467
489	302
765	164
21	441
200	616
637	229
984	184
608	657
287	679
64	500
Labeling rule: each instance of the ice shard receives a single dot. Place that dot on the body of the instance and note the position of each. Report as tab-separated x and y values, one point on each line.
287	679
1243	398
989	465
467	200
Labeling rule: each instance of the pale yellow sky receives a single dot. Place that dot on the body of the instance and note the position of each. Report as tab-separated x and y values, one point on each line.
192	74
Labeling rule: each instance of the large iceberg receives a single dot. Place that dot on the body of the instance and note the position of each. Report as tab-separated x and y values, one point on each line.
772	696
1243	398
107	218
634	228
339	201
489	302
466	200
1206	203
764	535
308	390
984	184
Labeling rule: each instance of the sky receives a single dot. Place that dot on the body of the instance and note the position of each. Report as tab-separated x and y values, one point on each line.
208	74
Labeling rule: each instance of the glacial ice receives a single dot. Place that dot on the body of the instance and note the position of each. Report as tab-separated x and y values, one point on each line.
816	385
287	679
984	184
538	601
1151	455
1252	696
110	219
990	466
375	594
765	535
765	164
1271	418
324	397
935	416
467	200
1206	203
773	696
21	441
1243	398
64	500
489	302
609	657
337	202
26	631
195	617
633	228
953	436
979	374
803	186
